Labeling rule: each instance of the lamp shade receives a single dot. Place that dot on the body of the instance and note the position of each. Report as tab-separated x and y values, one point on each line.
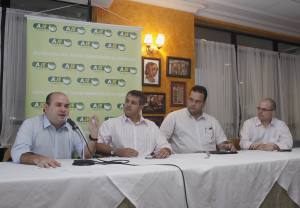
148	39
160	40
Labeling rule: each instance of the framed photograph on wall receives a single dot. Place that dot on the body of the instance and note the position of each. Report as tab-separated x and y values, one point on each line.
151	71
178	67
156	119
155	103
178	94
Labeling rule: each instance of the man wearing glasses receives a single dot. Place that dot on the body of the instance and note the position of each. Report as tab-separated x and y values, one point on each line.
265	132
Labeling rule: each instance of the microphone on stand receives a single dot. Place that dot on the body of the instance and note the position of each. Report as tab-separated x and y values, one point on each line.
84	162
72	123
81	162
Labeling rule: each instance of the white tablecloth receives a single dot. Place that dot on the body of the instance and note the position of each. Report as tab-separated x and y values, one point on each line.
237	180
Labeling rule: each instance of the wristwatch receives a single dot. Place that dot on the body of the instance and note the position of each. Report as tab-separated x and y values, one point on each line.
93	139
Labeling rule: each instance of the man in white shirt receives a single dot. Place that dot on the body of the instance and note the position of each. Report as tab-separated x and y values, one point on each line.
131	135
190	130
265	132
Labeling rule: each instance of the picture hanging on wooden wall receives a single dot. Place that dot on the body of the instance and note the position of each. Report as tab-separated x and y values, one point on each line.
178	67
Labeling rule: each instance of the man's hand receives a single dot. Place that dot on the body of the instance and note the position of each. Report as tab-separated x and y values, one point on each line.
162	153
227	146
254	146
39	160
267	147
126	152
94	126
46	162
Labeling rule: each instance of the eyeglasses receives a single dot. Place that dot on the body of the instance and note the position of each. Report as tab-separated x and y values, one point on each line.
263	109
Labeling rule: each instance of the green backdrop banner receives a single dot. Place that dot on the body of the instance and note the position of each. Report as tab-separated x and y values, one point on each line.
94	64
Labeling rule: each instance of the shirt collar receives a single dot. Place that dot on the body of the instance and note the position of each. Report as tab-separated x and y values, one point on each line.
141	121
47	123
258	122
202	117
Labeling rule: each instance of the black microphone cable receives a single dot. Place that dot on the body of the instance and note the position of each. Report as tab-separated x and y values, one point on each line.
183	180
120	162
84	162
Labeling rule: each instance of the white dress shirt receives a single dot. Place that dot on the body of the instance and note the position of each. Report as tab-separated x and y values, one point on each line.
142	136
276	132
187	134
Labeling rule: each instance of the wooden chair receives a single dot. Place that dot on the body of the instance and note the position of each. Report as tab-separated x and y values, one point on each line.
7	155
235	142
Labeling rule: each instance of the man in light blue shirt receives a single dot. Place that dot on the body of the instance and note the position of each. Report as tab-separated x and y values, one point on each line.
44	138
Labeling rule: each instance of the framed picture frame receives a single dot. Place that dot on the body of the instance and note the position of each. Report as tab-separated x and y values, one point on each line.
178	94
155	103
178	67
156	119
151	71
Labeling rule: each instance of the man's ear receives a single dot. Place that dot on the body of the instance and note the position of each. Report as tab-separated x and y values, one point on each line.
45	107
142	106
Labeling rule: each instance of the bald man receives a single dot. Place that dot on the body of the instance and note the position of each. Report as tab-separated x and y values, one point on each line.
43	139
265	132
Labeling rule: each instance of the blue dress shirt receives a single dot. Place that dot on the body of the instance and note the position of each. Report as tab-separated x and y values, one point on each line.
39	136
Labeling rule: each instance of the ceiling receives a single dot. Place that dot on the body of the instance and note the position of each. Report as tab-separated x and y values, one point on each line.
282	16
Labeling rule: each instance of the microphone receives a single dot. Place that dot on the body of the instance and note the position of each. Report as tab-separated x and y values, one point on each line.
72	123
81	162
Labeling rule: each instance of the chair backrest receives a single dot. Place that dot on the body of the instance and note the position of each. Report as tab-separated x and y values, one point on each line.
235	142
2	151
7	155
296	143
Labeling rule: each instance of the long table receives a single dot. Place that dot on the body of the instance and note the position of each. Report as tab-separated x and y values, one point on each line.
236	180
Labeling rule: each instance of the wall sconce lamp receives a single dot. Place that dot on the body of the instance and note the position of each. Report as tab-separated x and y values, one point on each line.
150	47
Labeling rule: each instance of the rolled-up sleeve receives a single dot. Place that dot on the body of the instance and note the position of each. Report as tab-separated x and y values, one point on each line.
220	136
161	141
105	134
285	140
23	142
245	137
167	127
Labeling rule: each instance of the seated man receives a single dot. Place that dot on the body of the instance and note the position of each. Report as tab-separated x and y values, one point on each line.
44	138
131	135
265	132
190	130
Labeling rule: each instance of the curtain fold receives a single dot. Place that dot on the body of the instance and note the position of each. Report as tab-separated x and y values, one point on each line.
258	79
216	70
289	77
0	50
14	74
234	92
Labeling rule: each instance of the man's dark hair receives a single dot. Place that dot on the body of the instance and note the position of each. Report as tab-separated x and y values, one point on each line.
48	98
139	94
272	102
200	89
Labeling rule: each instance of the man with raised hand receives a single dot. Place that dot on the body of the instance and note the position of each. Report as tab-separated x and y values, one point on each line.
131	135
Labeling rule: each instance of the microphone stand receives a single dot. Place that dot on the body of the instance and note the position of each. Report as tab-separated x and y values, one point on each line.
81	162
